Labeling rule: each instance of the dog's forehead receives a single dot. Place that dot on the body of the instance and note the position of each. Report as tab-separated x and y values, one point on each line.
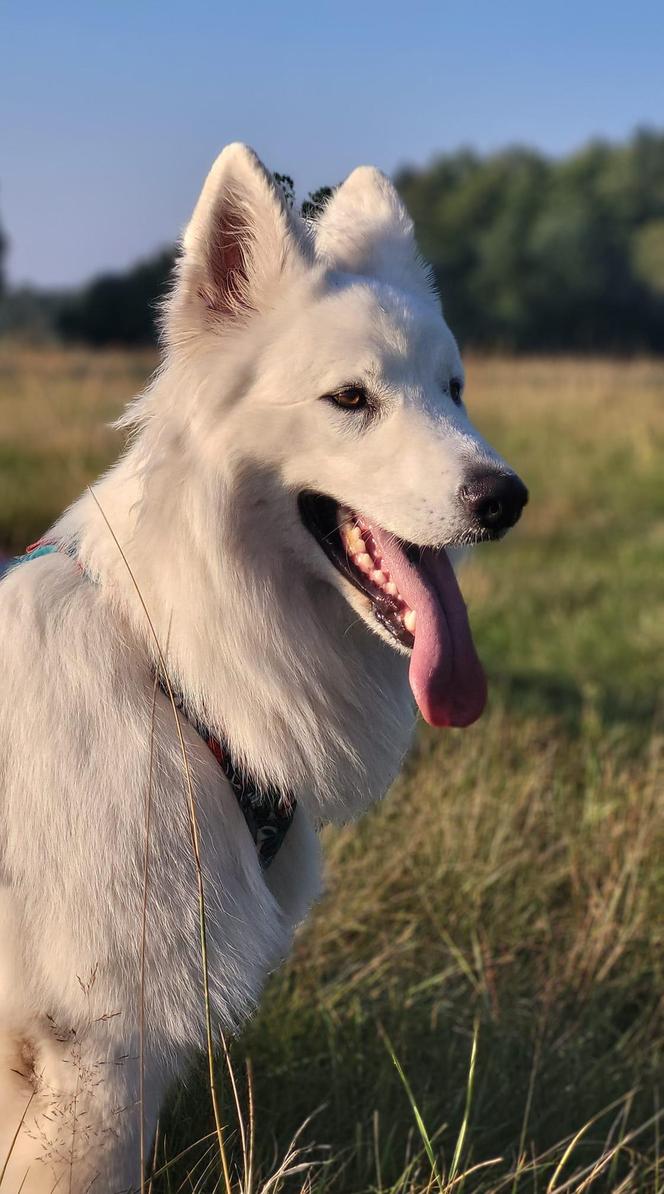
377	327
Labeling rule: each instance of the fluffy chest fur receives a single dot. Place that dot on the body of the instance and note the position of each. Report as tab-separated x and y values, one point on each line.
89	687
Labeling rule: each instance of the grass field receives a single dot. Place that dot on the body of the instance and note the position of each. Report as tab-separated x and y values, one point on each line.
510	890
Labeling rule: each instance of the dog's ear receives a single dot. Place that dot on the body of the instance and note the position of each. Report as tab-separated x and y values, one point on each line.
365	229
239	243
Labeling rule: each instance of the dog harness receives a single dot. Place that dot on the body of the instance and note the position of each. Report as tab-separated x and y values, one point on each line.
268	813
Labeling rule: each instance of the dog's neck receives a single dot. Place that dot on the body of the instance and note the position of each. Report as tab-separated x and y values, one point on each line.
272	659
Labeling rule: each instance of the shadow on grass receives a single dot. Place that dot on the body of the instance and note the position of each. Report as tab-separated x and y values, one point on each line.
544	1070
529	908
533	694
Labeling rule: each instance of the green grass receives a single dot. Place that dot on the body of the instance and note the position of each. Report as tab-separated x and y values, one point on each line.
510	890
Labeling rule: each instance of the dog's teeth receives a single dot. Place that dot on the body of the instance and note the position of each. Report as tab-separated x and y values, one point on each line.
409	620
391	588
378	578
355	545
364	561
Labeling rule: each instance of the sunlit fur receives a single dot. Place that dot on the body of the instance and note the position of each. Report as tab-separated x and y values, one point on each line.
273	649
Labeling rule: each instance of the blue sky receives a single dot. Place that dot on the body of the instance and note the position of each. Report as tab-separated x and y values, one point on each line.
113	111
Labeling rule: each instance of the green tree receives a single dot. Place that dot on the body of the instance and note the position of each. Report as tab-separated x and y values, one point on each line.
649	255
535	253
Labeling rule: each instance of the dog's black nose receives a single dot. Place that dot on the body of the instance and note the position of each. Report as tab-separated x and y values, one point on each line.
495	499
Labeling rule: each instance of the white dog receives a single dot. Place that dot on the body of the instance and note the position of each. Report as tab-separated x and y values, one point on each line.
270	552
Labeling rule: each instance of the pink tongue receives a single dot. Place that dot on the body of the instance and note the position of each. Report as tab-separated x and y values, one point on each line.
446	676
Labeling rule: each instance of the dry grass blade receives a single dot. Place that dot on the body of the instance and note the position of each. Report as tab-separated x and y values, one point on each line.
164	1169
461	1177
206	1163
572	1143
246	1188
144	917
291	1164
14	1138
592	1172
155	1153
251	1131
527	1109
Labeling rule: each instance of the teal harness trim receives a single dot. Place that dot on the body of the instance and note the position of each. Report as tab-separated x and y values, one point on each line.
46	548
33	553
268	813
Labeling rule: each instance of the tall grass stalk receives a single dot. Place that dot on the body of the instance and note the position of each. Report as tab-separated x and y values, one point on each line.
421	1126
144	918
12	1144
195	843
469	1100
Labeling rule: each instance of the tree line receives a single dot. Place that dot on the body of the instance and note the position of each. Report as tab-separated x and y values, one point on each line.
530	253
534	253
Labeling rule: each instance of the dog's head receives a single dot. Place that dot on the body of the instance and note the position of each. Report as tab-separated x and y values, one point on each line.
325	357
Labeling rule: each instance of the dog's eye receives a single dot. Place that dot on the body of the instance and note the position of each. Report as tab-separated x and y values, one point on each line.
350	398
456	390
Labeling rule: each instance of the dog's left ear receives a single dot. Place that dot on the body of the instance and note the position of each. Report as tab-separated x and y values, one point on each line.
365	229
240	242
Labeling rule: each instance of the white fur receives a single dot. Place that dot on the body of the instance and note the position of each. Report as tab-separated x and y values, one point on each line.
273	649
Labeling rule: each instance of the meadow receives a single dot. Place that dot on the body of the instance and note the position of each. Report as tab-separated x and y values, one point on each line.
476	1003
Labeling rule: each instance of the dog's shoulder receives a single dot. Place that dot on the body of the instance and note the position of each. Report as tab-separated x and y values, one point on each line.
64	652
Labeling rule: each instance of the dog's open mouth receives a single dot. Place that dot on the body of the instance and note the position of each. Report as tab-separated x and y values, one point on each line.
414	594
348	541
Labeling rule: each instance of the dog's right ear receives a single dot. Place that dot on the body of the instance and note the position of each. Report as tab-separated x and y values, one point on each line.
239	243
